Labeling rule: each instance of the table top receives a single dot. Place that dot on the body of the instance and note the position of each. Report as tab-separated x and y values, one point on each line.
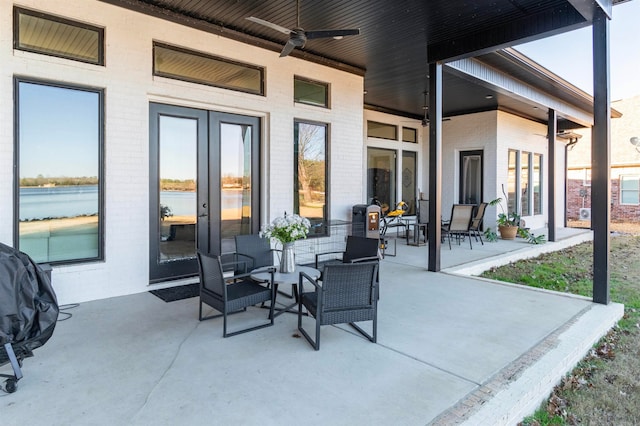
262	274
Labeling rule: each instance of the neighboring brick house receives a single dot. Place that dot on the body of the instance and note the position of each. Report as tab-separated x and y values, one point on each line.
625	167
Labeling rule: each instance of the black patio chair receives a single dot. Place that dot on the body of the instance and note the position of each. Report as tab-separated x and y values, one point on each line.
475	228
254	250
348	294
229	295
358	249
459	224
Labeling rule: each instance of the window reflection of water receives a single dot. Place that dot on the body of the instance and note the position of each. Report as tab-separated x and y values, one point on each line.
58	202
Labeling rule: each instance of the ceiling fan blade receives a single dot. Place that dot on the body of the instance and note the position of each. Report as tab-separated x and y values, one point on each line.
288	48
269	24
331	33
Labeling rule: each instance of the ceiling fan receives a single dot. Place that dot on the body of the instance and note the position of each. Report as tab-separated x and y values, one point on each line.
298	36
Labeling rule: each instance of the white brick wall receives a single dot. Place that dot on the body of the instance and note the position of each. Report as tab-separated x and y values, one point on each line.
129	87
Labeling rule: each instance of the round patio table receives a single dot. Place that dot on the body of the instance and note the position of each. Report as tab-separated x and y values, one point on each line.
263	274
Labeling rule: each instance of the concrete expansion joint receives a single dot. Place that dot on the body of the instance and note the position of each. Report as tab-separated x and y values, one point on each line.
473	401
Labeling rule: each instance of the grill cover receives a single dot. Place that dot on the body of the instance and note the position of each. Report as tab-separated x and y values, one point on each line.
28	305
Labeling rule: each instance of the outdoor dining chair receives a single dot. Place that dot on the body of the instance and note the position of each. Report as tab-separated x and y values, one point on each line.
460	223
476	223
348	294
229	295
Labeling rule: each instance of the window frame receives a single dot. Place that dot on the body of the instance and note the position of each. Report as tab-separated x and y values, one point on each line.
156	73
413	130
395	127
17	11
538	207
327	185
637	190
101	166
327	93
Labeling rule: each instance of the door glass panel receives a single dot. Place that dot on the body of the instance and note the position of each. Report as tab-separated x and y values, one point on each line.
235	181
381	177
471	179
409	180
178	139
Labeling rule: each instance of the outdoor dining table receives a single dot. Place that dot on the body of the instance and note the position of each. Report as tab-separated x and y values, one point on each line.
263	274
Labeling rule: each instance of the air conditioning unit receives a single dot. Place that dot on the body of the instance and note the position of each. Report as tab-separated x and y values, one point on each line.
585	213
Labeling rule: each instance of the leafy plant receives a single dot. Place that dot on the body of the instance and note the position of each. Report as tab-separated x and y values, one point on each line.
490	235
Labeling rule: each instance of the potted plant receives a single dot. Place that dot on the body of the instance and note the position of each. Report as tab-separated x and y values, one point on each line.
508	222
509	226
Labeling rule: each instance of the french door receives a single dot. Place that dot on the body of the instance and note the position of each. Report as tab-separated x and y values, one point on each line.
203	173
471	174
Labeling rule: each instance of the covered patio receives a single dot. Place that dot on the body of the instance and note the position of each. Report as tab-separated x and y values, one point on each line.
451	349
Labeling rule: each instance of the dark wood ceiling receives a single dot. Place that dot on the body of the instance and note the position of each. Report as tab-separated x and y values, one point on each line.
397	40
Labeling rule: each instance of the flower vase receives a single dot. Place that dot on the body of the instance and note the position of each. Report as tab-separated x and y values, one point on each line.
288	261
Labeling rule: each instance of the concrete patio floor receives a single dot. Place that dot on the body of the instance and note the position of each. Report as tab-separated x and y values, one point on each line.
451	349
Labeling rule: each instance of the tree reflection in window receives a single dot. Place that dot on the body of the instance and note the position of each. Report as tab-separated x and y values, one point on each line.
310	174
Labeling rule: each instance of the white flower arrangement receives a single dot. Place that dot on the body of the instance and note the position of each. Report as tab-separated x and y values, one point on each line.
287	229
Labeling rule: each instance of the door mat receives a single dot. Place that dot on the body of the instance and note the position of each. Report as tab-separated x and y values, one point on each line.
180	292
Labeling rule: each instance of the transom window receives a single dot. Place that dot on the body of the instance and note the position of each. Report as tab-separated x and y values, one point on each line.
310	92
55	36
409	135
197	67
382	130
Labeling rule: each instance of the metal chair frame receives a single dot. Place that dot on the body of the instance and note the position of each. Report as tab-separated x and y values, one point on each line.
231	294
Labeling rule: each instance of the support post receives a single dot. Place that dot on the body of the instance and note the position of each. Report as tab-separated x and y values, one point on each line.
435	164
601	158
552	129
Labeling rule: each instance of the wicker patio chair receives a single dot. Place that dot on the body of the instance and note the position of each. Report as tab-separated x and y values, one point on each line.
254	250
229	295
459	224
348	294
358	249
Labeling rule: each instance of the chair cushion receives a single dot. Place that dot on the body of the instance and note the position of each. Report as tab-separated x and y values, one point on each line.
246	293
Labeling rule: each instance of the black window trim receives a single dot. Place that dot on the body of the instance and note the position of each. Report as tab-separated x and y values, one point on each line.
395	126
101	167
327	93
17	11
327	177
157	73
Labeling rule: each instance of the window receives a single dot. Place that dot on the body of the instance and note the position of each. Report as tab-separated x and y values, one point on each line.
310	92
409	135
525	206
630	190
512	182
59	175
310	174
537	183
409	173
51	35
524	183
197	67
382	130
381	177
